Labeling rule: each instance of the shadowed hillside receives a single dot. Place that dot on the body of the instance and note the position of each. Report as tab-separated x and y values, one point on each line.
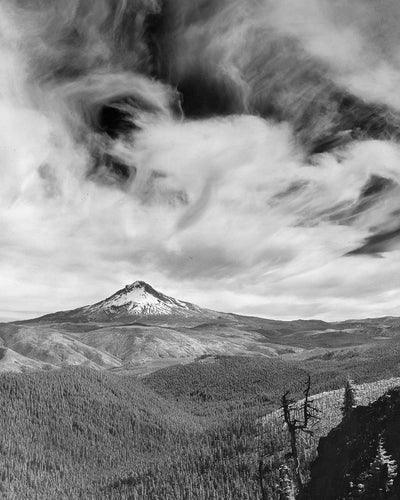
360	457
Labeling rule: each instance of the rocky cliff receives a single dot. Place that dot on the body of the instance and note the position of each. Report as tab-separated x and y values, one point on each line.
360	457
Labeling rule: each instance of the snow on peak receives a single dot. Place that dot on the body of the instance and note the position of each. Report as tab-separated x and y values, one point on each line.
140	298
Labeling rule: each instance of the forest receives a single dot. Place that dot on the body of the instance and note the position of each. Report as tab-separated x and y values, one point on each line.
188	432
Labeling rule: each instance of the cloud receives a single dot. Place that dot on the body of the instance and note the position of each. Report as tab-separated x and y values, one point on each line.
227	211
357	40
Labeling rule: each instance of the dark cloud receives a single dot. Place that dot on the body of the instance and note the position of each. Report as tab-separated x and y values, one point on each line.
233	153
378	243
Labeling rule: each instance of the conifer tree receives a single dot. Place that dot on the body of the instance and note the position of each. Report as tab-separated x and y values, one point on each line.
349	401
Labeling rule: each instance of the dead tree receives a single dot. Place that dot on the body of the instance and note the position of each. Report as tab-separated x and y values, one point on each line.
300	417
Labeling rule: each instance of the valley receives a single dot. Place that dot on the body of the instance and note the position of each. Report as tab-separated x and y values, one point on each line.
143	396
139	329
242	157
189	432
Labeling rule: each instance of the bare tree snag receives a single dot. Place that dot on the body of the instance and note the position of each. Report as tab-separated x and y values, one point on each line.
298	418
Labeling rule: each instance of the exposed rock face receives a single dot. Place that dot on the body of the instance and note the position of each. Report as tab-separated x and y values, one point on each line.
360	457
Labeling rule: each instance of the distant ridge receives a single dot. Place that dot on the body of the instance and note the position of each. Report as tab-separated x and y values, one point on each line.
140	329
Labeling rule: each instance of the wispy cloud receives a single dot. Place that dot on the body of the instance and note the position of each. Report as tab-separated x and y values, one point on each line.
229	212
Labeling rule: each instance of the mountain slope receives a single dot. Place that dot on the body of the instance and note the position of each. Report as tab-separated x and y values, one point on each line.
11	361
71	433
138	300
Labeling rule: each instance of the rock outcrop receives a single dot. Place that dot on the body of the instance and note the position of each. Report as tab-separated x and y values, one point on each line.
359	458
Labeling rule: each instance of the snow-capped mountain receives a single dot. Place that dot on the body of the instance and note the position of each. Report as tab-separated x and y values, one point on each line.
140	329
138	300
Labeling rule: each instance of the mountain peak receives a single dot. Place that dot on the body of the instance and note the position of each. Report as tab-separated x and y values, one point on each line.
133	301
142	285
140	299
137	284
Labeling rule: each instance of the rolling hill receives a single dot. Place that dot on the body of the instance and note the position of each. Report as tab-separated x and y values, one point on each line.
140	329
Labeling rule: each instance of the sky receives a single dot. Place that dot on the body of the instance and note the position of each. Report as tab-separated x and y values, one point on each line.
204	179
